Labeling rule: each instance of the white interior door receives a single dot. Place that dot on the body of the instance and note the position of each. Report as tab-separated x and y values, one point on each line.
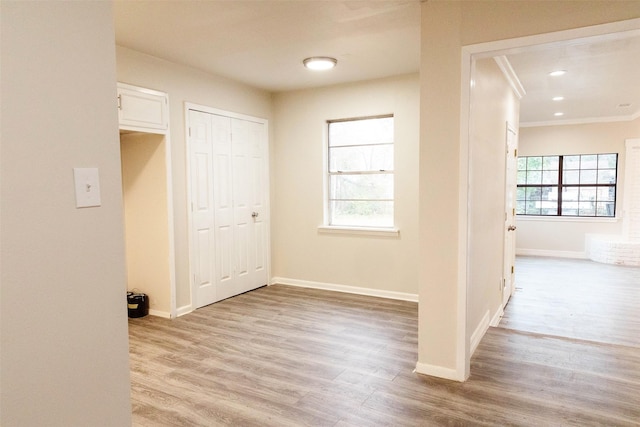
238	215
510	215
202	209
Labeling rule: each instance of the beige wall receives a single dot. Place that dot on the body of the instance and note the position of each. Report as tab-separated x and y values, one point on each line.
64	346
566	236
144	186
494	104
299	251
184	84
446	27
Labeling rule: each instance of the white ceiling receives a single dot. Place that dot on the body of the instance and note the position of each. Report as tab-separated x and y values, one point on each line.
263	42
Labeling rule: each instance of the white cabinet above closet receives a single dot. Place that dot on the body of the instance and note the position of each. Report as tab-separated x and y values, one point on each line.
141	109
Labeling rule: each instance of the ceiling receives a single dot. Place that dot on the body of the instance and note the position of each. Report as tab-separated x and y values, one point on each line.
262	43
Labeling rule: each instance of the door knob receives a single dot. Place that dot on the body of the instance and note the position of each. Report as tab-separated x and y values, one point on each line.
511	228
254	214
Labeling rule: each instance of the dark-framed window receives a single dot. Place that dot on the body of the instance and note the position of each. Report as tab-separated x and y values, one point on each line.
582	185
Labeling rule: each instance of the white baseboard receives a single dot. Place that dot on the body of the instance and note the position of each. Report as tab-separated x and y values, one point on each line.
551	253
479	332
439	371
343	288
185	309
159	313
496	317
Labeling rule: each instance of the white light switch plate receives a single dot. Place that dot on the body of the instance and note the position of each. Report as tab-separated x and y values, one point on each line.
87	183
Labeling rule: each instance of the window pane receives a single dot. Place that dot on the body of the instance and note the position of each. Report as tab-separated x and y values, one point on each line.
520	193
521	207
534	177
533	193
522	177
551	163
361	187
358	132
589	161
571	162
522	163
570	208
549	208
361	213
606	194
361	158
586	209
588	176
570	194
607	176
605	209
587	193
534	163
571	177
607	161
550	177
549	193
532	208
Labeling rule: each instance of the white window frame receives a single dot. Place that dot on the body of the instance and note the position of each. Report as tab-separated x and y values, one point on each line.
381	231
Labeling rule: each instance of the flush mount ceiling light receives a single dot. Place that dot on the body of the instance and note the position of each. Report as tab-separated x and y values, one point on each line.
557	73
320	63
558	114
557	98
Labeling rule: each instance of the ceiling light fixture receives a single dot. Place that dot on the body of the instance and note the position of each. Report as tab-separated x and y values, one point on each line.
320	63
558	114
557	73
558	98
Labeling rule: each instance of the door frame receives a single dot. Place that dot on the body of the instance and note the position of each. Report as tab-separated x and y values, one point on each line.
189	106
166	133
509	250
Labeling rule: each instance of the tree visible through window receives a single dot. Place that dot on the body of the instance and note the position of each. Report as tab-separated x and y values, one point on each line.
360	172
577	185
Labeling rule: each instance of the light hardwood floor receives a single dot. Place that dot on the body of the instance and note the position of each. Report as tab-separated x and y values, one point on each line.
286	356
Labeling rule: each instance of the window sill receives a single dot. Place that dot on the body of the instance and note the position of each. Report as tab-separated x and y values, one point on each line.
566	218
359	231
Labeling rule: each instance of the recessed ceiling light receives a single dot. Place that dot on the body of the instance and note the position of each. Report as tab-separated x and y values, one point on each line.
558	98
558	114
320	63
557	73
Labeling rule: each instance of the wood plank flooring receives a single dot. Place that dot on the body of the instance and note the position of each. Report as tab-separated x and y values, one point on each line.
286	356
578	299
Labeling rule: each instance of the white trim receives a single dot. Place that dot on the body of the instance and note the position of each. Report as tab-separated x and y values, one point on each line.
170	218
169	182
495	321
463	355
439	371
185	309
361	231
551	253
159	313
205	109
479	332
344	288
582	121
510	75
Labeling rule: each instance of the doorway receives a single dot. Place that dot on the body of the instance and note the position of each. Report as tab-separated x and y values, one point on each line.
491	50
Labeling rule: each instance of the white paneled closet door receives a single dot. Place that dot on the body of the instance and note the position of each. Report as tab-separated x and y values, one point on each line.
236	186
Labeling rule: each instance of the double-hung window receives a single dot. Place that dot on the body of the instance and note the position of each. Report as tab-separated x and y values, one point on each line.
578	185
360	172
